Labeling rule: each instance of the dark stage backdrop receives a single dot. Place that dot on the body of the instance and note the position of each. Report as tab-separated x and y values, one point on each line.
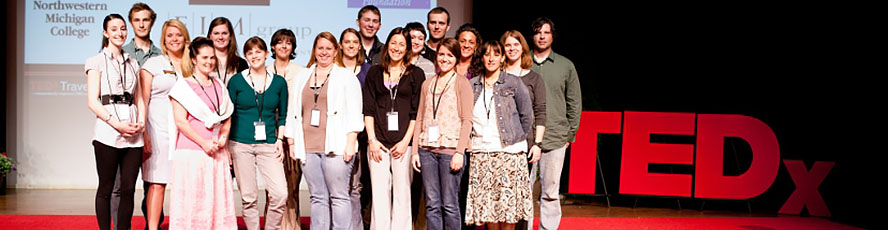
798	68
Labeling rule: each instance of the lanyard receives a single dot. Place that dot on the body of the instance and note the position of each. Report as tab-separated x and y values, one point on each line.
224	80
175	73
256	93
484	97
316	88
276	69
215	91
393	91
438	103
121	76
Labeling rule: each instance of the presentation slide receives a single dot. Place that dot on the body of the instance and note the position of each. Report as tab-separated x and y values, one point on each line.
56	127
67	32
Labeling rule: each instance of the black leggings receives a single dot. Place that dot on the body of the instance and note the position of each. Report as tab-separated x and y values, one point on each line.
108	159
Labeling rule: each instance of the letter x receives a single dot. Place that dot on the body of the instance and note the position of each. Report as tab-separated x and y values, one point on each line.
806	193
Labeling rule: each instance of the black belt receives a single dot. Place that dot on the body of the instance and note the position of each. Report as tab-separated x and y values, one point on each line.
126	98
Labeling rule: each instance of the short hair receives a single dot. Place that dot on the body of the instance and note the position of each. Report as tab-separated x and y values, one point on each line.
468	27
140	7
438	10
539	22
451	45
526	62
370	8
491	46
415	26
359	59
323	35
284	35
191	52
108	18
408	54
178	25
254	42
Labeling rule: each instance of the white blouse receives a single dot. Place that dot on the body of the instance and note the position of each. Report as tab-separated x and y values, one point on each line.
486	134
116	77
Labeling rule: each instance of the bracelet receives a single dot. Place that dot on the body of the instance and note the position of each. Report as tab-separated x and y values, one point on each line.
107	118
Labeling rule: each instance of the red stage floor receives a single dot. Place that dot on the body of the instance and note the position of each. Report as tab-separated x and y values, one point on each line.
35	222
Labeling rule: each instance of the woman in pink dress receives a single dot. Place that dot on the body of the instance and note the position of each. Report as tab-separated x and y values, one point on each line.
201	195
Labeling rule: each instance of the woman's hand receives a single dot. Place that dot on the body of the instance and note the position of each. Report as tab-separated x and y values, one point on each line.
373	150
279	150
456	162
146	149
349	151
534	154
416	164
209	146
125	129
400	149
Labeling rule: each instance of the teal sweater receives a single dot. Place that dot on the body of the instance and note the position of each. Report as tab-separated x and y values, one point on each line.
246	109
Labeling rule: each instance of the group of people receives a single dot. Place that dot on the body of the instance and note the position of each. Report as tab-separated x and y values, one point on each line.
194	114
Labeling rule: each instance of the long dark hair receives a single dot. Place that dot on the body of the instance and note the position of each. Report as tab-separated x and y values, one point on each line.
231	60
468	27
408	54
105	27
478	65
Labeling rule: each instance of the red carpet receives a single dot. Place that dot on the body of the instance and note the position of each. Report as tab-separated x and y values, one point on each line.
89	222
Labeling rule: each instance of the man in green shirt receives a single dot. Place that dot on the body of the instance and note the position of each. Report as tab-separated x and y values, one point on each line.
141	47
563	107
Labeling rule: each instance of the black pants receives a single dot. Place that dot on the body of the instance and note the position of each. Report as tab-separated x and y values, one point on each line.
108	160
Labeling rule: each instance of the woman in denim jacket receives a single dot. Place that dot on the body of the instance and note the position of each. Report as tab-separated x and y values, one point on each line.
499	186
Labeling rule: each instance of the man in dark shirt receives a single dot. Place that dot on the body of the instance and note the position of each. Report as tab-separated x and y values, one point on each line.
368	23
438	24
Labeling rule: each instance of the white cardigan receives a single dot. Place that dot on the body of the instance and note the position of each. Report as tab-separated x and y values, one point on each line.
344	110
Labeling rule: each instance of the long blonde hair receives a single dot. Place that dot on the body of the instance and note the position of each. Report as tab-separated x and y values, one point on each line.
178	25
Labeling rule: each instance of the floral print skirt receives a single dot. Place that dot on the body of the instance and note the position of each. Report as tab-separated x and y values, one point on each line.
499	188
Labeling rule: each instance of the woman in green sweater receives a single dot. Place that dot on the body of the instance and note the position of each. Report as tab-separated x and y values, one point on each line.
259	97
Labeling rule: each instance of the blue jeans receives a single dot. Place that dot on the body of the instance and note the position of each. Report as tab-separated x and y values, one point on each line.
328	178
442	190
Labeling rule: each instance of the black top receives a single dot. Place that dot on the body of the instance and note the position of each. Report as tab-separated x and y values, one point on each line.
378	102
428	53
537	89
375	54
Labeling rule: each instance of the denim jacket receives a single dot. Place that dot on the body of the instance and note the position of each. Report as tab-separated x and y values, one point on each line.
513	107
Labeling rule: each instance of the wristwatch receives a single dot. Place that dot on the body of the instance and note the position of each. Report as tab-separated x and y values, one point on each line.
539	144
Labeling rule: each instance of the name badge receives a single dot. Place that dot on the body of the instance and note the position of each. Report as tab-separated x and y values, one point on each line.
433	133
315	118
123	112
260	130
392	121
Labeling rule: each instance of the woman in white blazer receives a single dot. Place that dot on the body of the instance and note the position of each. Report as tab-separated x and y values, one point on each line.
323	119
